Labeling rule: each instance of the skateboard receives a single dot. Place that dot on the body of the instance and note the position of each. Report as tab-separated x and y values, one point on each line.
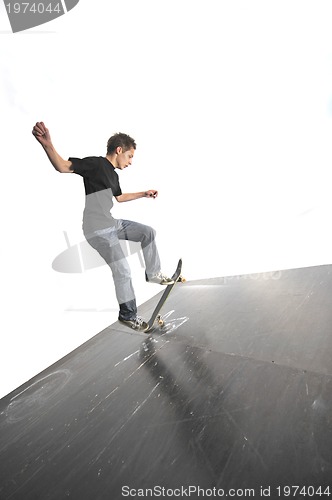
156	317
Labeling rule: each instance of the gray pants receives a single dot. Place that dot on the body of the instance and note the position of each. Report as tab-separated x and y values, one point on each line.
106	242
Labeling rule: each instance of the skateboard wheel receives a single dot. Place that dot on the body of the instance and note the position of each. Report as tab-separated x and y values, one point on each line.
160	320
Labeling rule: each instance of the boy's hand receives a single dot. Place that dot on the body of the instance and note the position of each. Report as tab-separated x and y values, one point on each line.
152	193
41	133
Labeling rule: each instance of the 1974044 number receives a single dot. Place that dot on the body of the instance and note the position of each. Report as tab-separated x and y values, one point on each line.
33	8
297	491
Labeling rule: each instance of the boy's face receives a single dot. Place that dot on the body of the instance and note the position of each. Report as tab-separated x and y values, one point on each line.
124	159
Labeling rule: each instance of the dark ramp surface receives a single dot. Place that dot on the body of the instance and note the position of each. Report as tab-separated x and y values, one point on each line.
234	394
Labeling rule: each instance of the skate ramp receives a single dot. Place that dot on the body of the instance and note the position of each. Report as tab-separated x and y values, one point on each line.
233	397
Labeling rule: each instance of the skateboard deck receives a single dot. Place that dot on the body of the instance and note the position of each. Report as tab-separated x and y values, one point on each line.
155	315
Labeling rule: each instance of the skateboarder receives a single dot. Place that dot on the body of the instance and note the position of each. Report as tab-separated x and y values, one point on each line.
101	230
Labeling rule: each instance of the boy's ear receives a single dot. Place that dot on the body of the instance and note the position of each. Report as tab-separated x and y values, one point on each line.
118	150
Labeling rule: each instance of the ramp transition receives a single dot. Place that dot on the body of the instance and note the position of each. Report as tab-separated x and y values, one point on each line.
235	396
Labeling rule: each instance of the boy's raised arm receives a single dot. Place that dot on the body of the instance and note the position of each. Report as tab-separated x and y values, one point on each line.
42	135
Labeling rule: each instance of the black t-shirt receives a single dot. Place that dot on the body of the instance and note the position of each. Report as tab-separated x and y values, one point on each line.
101	183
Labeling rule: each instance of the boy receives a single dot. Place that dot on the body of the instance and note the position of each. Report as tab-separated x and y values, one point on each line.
101	230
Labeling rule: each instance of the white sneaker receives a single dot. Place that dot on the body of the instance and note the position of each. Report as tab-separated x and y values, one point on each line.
161	279
136	324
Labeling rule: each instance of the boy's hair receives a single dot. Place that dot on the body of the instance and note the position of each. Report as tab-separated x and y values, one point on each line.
120	140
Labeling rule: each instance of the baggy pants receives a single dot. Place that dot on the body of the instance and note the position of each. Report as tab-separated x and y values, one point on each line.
107	243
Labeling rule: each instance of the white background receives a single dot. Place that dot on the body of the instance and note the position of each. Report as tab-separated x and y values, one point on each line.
230	105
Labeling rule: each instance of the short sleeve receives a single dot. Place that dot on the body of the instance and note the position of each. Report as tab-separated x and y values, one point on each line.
83	166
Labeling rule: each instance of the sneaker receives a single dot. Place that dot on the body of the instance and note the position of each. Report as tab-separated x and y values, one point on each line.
136	324
161	279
